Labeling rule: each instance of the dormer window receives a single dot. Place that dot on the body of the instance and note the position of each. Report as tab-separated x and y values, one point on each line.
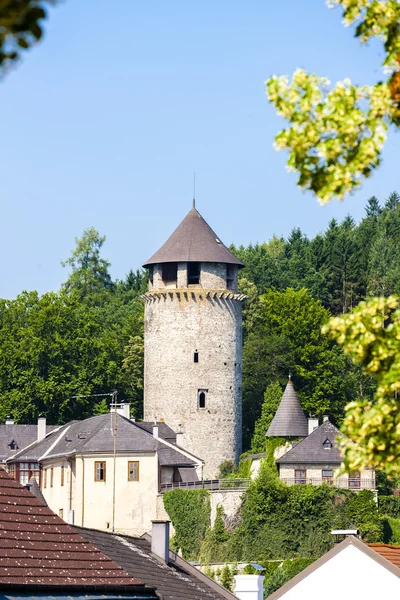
327	444
13	445
193	273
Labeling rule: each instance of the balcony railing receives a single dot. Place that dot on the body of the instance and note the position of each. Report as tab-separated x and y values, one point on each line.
340	482
213	485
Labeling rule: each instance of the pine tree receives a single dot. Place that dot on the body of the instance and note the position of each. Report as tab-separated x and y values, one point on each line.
373	208
393	201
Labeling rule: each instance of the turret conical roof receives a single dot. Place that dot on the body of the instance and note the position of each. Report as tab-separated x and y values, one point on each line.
289	420
193	241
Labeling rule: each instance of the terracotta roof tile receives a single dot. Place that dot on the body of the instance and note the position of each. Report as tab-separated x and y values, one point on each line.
391	553
39	548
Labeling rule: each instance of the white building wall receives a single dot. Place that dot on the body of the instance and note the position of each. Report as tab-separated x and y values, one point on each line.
92	501
349	574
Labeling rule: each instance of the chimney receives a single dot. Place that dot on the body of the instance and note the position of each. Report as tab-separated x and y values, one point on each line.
179	436
126	410
41	428
160	539
325	418
249	587
313	423
9	420
340	534
155	431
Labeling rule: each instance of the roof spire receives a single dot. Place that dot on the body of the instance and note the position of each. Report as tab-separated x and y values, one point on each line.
194	190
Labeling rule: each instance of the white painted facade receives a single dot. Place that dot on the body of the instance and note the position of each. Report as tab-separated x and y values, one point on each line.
351	573
92	501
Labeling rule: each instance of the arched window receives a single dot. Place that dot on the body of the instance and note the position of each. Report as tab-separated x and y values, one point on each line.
201	397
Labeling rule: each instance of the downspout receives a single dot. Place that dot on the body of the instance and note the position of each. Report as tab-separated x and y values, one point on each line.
83	491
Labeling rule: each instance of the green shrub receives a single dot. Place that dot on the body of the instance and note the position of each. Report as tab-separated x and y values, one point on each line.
283	574
190	513
389	505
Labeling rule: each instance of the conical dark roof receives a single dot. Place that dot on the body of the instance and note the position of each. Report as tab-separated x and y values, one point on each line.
193	241
289	419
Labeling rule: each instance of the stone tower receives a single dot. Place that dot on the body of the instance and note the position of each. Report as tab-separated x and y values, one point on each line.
193	342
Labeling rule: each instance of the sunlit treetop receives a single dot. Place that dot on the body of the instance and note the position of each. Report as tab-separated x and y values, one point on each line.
336	133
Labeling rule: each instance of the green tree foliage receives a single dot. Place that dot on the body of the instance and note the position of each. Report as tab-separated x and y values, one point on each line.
89	276
336	134
59	347
20	28
213	549
272	397
227	578
190	513
286	336
390	506
371	335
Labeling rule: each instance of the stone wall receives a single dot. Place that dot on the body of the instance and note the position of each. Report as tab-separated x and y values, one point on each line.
177	324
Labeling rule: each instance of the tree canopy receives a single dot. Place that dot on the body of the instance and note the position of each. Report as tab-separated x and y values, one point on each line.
336	134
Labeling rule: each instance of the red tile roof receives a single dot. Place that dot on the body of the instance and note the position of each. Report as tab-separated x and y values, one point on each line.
391	553
39	548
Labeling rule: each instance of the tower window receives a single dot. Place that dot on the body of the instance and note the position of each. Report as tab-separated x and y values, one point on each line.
201	395
193	273
169	271
229	276
151	274
196	357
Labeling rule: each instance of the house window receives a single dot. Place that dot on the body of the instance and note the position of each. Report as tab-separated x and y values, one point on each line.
99	471
201	398
169	271
62	474
196	357
51	476
300	476
354	480
194	273
327	476
27	471
327	444
61	513
230	276
133	470
45	478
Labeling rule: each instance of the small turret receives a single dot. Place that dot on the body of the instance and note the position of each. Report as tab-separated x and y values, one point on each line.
289	420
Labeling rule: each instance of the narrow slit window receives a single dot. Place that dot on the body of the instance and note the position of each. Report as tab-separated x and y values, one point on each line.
151	274
51	476
62	474
201	396
193	273
196	357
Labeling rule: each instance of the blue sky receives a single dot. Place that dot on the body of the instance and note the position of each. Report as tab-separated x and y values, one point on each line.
105	121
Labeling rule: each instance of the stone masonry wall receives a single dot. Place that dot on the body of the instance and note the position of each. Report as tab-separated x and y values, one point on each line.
177	325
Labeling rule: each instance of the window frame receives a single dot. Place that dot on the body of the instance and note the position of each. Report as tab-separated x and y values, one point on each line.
62	475
300	479
133	462
100	462
169	268
201	391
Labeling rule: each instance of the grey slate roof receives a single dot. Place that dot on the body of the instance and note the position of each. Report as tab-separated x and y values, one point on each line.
21	434
289	420
177	581
193	241
311	449
164	431
96	434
